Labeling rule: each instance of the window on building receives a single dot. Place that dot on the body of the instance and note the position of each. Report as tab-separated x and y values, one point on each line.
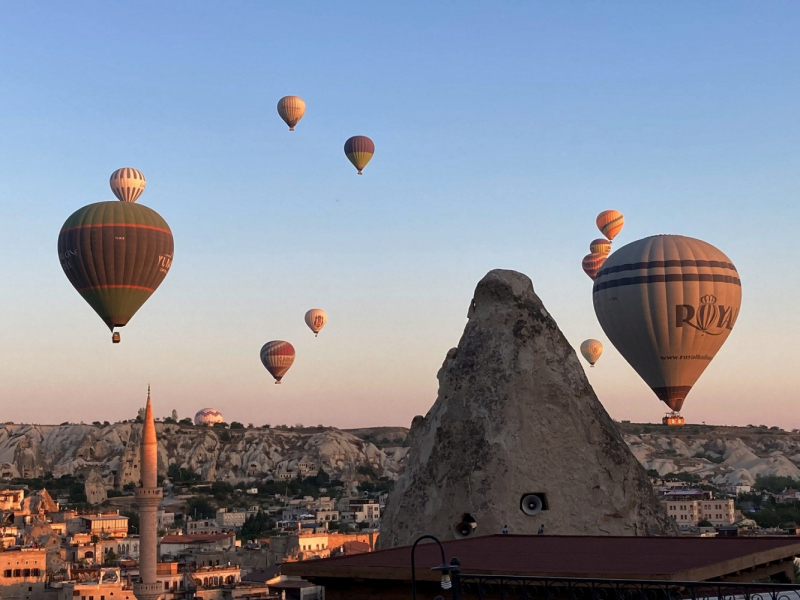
26	572
7	573
35	572
17	572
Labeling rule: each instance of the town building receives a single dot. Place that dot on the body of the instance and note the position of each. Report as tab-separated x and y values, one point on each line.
174	545
202	526
24	572
230	519
689	507
104	524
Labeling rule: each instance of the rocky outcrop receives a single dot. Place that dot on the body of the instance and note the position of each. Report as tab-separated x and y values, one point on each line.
515	415
108	456
723	456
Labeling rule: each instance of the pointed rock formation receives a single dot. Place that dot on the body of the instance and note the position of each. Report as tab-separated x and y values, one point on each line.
516	416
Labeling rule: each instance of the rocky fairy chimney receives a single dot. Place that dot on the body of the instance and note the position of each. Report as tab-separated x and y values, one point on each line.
517	437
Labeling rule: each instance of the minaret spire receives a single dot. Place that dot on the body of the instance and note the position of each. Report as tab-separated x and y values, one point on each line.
148	497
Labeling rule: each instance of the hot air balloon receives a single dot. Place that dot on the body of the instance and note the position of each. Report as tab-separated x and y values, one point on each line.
591	350
127	184
610	223
291	109
600	246
359	150
277	356
116	254
316	319
592	263
668	303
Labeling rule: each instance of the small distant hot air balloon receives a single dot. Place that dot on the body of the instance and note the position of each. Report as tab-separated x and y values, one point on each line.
610	223
277	356
591	350
359	150
316	319
127	184
592	263
116	254
600	246
668	303
291	109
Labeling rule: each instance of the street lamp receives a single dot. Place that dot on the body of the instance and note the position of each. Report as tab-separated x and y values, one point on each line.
445	568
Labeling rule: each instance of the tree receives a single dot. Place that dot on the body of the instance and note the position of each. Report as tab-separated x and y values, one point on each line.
705	523
200	508
133	521
236	425
141	413
221	489
186	421
322	478
774	483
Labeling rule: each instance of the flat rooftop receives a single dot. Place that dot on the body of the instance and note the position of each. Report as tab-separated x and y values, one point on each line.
665	558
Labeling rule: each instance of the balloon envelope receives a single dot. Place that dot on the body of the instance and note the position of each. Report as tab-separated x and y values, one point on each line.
291	109
127	184
668	303
359	150
316	319
277	356
600	246
115	254
591	350
592	263
610	223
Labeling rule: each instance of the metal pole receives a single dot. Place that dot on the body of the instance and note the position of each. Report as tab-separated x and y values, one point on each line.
413	564
455	577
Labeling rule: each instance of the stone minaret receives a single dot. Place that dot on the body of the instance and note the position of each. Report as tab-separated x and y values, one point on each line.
148	496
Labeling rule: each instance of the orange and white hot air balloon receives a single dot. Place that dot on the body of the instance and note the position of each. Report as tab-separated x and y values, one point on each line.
291	109
316	319
277	356
591	351
592	263
668	303
600	246
610	223
127	184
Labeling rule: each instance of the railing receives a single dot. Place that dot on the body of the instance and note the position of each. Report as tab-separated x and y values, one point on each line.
491	587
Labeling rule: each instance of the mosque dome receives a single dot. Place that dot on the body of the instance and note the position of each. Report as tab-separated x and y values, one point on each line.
208	416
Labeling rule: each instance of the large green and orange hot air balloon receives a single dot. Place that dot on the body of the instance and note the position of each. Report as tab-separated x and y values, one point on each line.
359	150
116	253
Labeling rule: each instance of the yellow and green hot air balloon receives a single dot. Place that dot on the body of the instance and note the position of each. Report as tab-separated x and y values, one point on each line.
359	150
115	254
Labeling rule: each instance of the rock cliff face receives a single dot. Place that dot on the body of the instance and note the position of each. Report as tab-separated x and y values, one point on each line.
112	452
515	415
725	456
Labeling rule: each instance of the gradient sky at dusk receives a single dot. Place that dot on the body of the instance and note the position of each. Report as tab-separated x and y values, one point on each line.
501	130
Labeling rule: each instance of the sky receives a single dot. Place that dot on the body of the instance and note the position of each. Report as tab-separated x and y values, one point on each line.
501	130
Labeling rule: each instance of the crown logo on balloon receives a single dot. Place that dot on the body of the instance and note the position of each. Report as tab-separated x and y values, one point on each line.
708	299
